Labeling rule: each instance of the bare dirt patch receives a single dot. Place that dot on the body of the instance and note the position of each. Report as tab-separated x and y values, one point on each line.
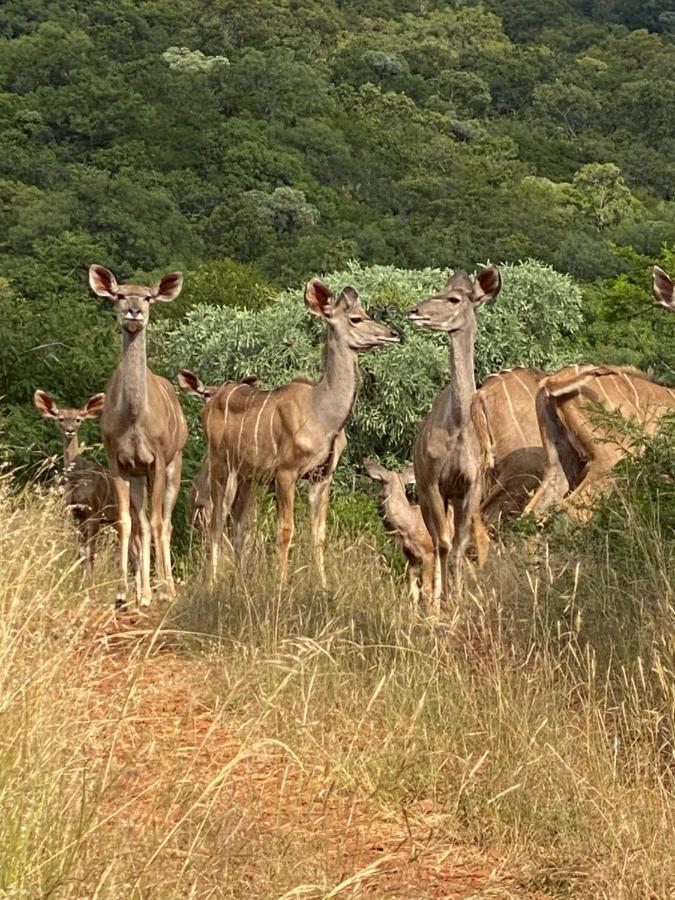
198	788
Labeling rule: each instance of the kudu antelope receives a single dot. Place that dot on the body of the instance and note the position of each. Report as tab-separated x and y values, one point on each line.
200	494
447	455
663	288
404	519
563	410
143	429
504	415
90	492
296	430
568	403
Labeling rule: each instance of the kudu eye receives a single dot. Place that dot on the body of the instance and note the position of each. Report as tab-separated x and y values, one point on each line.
454	300
355	319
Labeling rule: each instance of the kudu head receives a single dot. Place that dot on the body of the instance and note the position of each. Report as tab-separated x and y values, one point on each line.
133	300
193	385
346	317
664	288
390	482
68	420
453	309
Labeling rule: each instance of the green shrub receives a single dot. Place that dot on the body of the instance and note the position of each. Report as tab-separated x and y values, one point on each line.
531	324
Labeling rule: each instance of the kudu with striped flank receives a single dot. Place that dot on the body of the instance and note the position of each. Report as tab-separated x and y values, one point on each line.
569	402
296	430
504	414
447	454
144	431
200	494
404	520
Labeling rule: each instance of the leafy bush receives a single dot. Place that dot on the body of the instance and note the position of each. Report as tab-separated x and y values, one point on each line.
536	313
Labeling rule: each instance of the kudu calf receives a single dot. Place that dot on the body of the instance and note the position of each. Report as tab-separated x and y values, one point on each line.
405	521
447	454
294	431
200	494
90	491
143	429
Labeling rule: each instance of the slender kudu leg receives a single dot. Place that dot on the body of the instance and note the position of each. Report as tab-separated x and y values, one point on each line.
319	498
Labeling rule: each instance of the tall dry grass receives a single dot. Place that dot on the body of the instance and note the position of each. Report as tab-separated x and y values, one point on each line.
258	742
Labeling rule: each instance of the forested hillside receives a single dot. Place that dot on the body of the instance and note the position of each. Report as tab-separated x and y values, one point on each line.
256	142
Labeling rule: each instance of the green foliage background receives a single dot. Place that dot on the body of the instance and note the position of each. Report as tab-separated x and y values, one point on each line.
533	322
255	143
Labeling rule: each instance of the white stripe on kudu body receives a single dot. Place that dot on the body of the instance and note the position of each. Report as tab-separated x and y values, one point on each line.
257	427
516	423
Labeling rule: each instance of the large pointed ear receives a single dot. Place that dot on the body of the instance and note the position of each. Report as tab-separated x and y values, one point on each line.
103	282
349	298
487	284
93	408
168	288
191	383
319	298
375	470
663	288
459	280
408	475
45	405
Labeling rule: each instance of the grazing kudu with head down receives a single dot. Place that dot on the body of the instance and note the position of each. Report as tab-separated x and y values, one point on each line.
447	454
296	430
504	415
143	430
405	521
569	404
563	407
90	492
200	494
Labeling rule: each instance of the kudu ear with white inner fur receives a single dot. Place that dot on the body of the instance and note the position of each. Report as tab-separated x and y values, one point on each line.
93	408
190	383
486	285
663	288
102	282
167	288
319	298
45	405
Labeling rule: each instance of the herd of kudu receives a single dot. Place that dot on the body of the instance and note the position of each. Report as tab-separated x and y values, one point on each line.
524	441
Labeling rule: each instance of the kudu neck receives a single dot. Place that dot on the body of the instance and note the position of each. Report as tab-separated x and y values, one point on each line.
335	393
133	372
462	385
71	450
395	504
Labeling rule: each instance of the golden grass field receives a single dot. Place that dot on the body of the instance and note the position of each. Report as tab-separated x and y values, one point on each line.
260	743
